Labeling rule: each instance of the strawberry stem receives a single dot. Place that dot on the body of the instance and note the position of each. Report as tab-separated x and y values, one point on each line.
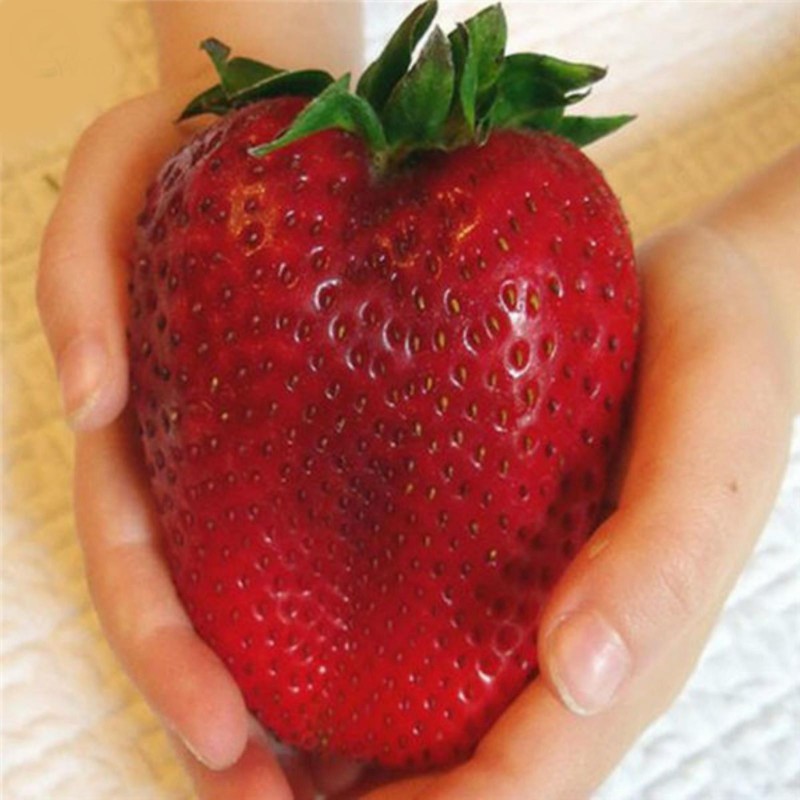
459	88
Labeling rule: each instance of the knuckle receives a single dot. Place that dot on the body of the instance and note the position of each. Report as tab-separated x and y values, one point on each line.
677	583
686	576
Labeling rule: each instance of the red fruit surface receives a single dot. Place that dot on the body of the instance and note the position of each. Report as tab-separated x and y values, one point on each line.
378	416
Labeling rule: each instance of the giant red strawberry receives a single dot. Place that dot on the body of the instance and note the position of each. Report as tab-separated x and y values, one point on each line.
381	343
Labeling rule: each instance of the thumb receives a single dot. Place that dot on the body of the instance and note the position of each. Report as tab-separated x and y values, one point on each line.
708	448
81	288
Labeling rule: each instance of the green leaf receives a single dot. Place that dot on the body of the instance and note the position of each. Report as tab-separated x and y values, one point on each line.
568	76
211	101
235	78
419	105
218	52
335	107
477	46
487	32
541	119
466	79
530	84
243	72
382	75
304	82
521	96
243	81
238	73
585	130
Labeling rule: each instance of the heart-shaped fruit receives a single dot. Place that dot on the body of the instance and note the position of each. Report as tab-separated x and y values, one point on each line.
381	344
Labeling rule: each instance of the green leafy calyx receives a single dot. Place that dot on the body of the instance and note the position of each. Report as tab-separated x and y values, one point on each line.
459	88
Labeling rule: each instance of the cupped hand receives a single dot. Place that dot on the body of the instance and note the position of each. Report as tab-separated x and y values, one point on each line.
82	296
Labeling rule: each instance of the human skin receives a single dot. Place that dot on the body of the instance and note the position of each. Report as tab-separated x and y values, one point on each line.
719	381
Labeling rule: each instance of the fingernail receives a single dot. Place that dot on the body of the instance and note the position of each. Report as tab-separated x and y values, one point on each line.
204	756
196	754
588	662
81	368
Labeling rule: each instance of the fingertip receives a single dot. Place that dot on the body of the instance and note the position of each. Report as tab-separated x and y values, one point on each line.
586	661
205	708
217	746
255	775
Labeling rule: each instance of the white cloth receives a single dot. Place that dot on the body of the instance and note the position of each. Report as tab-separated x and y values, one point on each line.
717	90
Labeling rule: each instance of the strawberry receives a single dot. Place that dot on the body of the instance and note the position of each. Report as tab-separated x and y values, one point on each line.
381	343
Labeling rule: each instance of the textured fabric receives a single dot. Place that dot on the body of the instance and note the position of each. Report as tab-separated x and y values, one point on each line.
717	90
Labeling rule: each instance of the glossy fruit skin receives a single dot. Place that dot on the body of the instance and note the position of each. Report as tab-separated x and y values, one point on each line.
378	416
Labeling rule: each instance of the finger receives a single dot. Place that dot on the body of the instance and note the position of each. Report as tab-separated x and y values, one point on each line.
81	290
257	775
184	682
540	749
708	449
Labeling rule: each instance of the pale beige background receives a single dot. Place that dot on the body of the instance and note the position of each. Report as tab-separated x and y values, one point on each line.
717	88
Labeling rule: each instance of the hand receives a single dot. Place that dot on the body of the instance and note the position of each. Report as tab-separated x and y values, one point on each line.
706	453
718	384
